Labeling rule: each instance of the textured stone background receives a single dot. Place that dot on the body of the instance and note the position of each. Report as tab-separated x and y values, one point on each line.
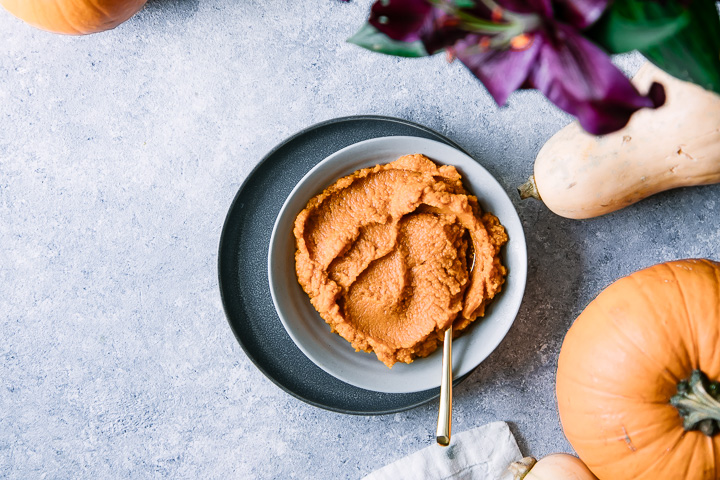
119	156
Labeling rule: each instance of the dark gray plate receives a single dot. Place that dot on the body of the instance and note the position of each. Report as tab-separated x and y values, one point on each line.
242	266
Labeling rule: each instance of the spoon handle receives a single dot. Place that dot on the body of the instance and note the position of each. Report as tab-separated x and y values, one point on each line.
445	415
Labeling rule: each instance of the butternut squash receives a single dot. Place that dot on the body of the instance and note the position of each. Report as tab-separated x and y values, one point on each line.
558	466
578	175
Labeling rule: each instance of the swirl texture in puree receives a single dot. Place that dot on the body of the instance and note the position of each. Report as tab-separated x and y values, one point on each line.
385	256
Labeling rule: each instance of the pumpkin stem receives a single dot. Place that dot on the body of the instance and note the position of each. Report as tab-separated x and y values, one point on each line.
697	402
529	189
521	468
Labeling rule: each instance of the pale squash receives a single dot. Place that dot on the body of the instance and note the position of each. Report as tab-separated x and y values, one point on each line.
578	175
73	17
637	376
558	466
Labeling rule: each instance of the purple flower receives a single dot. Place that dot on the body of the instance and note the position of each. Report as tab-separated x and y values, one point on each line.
515	44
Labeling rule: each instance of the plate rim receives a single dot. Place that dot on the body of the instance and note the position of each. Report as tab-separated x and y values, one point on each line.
223	240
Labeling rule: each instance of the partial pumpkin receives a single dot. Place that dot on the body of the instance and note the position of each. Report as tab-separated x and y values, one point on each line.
558	466
578	175
73	17
637	376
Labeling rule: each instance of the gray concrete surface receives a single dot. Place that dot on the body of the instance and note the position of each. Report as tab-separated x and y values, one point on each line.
119	156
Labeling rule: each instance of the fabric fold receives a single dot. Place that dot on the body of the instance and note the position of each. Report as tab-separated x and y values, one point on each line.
481	453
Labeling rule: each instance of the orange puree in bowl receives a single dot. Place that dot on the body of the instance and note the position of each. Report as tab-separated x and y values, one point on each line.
385	255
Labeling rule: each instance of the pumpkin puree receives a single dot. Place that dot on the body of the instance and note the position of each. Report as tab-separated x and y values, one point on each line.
385	256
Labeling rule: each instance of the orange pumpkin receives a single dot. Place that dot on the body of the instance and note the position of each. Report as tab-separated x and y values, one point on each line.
637	376
73	17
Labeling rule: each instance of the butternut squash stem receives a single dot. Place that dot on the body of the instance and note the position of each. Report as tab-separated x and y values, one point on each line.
697	402
521	468
529	189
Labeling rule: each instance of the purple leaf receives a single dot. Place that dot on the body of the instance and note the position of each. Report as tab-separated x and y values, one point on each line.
403	20
445	34
541	7
580	13
501	71
580	78
412	20
550	55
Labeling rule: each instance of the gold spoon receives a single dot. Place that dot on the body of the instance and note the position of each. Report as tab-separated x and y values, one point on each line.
445	415
444	423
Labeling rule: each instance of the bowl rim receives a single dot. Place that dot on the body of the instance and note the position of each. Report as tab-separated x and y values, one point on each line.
519	271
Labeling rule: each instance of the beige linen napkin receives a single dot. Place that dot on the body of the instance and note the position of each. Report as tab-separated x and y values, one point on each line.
482	453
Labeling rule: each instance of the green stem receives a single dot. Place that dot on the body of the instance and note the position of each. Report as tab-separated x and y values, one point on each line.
478	25
697	402
513	23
